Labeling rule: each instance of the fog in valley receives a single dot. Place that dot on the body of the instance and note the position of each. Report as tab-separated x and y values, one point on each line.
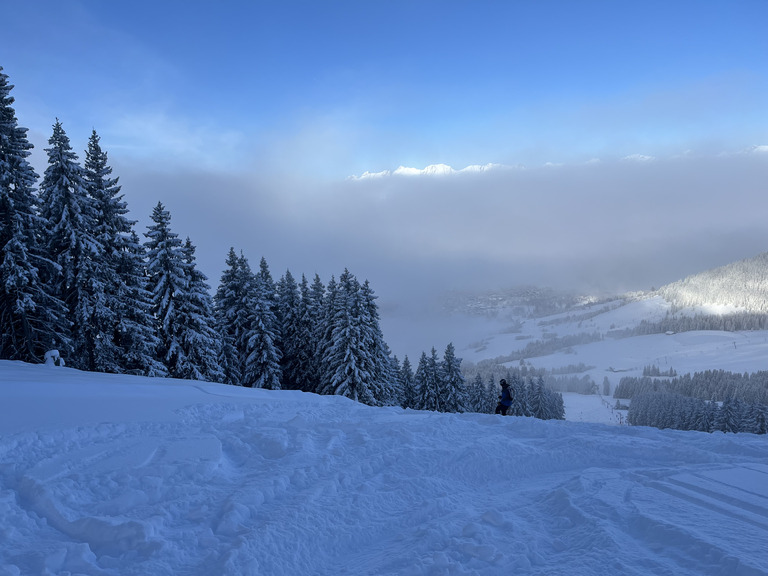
602	227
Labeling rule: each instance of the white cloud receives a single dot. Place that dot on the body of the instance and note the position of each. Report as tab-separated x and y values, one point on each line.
639	158
431	170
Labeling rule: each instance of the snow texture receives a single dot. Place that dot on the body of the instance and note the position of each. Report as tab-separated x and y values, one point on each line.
111	474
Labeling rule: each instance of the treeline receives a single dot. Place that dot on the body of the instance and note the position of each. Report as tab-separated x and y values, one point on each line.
437	385
669	410
75	277
737	321
544	347
531	388
714	385
564	379
653	370
706	401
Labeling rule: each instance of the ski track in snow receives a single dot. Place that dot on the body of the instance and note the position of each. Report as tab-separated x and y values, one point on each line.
237	481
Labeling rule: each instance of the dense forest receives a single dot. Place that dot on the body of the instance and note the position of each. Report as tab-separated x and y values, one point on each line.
706	401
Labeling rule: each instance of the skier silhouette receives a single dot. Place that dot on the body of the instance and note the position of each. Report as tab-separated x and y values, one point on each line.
505	399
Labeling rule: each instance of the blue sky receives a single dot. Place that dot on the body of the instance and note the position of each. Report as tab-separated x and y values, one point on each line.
337	88
630	138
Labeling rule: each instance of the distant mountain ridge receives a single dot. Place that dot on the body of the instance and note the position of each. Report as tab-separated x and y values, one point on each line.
738	287
742	284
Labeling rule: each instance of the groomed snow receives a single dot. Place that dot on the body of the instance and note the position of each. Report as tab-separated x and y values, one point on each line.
118	475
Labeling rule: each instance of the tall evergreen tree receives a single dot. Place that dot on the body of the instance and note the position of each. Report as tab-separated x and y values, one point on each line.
397	382
538	399
199	338
728	418
558	406
324	337
520	405
453	391
167	281
262	362
289	319
427	379
111	230
135	332
70	221
312	323
383	371
350	367
756	420
476	396
31	320
408	398
230	313
310	305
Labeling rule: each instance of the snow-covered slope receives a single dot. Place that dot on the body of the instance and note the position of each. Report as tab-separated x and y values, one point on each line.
119	475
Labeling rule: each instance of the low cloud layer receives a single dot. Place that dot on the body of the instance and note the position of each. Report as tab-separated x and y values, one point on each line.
619	225
595	227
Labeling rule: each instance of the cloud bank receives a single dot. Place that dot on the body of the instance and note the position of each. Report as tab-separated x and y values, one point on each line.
601	226
604	224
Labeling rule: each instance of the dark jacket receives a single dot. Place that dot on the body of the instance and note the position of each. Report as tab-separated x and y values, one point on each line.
506	396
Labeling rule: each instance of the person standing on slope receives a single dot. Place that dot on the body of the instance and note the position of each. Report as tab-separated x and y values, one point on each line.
505	400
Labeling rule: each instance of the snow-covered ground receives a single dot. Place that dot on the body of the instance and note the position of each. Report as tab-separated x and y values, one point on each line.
118	475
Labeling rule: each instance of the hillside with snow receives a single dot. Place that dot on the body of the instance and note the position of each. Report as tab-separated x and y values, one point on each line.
715	320
122	475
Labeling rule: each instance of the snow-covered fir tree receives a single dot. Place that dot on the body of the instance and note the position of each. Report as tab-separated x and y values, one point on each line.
167	282
427	379
199	338
728	418
452	387
182	306
558	406
32	319
397	382
324	337
262	362
408	397
135	332
476	396
520	403
309	310
70	223
313	323
537	399
350	368
230	312
111	230
384	373
289	312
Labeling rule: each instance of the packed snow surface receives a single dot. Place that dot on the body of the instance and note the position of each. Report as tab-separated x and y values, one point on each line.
119	475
